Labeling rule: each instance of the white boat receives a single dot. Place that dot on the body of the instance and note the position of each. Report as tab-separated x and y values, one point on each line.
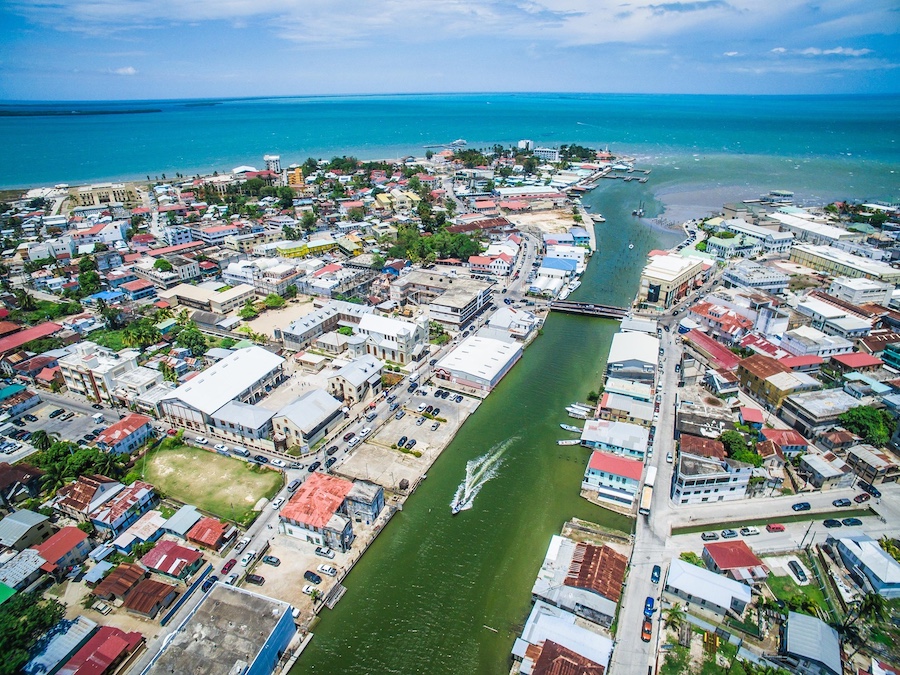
598	218
569	427
574	286
578	415
564	293
572	441
578	404
630	246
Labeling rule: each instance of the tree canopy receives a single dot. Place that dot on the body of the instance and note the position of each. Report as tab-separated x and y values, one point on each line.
23	619
873	425
442	244
193	339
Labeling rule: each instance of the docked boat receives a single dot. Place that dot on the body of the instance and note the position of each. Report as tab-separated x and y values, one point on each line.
598	218
574	286
571	441
582	406
564	293
569	427
578	415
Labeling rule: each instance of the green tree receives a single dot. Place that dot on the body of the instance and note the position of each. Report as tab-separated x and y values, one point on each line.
87	264
308	221
248	311
89	282
163	265
168	372
24	618
345	330
42	440
874	425
24	300
141	333
290	292
273	301
357	214
733	442
193	339
378	261
674	616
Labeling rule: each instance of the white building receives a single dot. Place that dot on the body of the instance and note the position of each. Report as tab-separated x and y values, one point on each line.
668	278
547	154
273	163
695	585
699	480
816	233
861	291
808	341
356	380
620	438
92	371
308	418
749	274
478	362
633	356
615	479
394	339
771	241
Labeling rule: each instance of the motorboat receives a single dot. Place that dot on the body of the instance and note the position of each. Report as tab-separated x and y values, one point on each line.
569	427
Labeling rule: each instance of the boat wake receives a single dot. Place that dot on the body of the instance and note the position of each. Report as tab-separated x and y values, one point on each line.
478	472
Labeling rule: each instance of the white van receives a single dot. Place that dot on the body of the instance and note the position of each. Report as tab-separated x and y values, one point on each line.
98	418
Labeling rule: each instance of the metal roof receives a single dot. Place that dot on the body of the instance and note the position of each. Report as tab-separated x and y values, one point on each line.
814	640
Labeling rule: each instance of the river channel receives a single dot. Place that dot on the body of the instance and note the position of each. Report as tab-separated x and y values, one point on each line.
441	594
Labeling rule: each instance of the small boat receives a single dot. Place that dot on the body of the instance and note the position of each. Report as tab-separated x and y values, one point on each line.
574	286
577	409
578	415
569	427
598	218
579	404
457	506
630	246
571	441
564	293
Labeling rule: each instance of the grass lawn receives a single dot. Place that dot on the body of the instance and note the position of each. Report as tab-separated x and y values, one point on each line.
226	487
112	339
785	588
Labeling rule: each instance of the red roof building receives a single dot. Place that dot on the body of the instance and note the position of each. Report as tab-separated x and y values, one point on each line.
16	340
149	597
172	559
208	532
752	416
718	355
789	441
120	582
315	512
701	447
736	560
615	465
857	361
67	547
600	569
125	435
551	658
101	655
803	364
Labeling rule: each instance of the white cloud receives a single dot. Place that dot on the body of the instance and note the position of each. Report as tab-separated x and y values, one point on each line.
836	51
127	70
778	50
730	54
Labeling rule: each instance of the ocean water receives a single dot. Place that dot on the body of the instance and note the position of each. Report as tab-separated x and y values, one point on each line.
821	146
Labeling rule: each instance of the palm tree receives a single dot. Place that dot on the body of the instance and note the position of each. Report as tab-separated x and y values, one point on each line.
163	313
43	440
674	616
183	317
24	299
109	464
55	476
871	608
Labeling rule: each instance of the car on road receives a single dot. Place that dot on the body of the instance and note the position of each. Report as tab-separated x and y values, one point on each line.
649	607
348	436
325	552
97	406
201	440
365	432
308	590
312	467
669	457
774	527
226	568
432	362
831	522
841	503
647	630
172	432
222	450
330	462
393	406
400	414
748	531
797	570
871	489
262	459
801	506
280	463
209	583
666	328
255	579
862	497
327	570
247	558
312	577
276	503
353	442
330	451
852	522
56	413
411	444
271	560
241	545
729	534
654	575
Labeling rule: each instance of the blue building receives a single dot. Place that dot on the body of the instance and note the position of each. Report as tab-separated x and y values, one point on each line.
580	236
870	565
364	501
109	297
16	399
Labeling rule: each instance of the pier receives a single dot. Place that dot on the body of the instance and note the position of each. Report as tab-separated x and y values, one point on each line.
589	309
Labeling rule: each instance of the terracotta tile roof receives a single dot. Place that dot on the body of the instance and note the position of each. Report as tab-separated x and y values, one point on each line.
207	532
599	569
554	659
120	581
317	500
170	558
147	595
138	285
702	447
7	327
767	449
729	555
57	546
801	361
620	466
102	652
752	415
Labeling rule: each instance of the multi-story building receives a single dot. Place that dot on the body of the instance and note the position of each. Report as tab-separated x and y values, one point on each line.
633	356
723	323
316	513
872	465
356	380
126	435
209	299
861	291
813	232
620	438
814	412
308	418
451	300
302	332
182	270
103	194
840	263
749	274
699	480
117	514
213	235
668	278
770	381
92	371
547	154
614	479
176	235
394	339
768	240
808	341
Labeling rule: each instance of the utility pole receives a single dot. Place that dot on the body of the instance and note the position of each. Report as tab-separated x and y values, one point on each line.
806	533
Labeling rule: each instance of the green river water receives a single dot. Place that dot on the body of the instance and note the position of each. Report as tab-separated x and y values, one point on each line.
420	599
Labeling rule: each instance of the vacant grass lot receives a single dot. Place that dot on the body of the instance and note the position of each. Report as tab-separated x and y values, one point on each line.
226	487
785	588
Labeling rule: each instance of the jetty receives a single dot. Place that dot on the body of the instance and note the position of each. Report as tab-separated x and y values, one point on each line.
589	309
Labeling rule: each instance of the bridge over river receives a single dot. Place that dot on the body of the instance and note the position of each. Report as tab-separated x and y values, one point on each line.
589	309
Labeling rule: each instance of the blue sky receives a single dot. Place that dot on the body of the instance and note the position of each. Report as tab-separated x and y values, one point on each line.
144	49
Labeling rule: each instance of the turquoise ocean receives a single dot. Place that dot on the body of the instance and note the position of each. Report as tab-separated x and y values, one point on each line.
822	147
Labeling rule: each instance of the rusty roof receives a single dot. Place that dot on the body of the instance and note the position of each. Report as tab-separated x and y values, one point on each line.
146	595
599	569
207	532
554	659
79	494
702	447
762	366
120	581
317	500
119	505
20	473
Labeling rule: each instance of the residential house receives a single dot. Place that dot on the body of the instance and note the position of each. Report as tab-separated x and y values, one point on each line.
107	649
23	529
870	565
735	560
85	495
622	408
210	533
64	549
315	514
872	465
18	482
120	582
825	472
126	435
809	646
699	588
129	504
789	441
173	560
149	597
698	446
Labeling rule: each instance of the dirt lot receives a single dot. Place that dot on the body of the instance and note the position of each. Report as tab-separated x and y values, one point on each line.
271	319
543	221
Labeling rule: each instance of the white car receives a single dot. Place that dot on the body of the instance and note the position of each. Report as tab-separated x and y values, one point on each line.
353	442
247	558
421	407
277	503
221	447
669	457
279	463
232	579
308	589
365	432
327	570
201	440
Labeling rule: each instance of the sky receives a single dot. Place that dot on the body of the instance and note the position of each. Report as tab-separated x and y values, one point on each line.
170	49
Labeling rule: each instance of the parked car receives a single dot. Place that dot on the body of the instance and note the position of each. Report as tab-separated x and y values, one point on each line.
871	489
729	534
330	462
280	463
312	467
801	506
862	497
327	570
393	406
852	522
67	416
348	436
435	425
436	412
709	536
774	527
255	579
56	413
841	503
97	406
271	560
400	414
262	459
411	444
402	441
325	552
226	568
330	451
459	398
221	447
201	440
241	545
654	575
420	421
308	590
276	504
312	577
208	583
649	607
797	570
422	407
232	579
749	531
669	457
353	442
647	630
172	432
247	558
438	393
831	522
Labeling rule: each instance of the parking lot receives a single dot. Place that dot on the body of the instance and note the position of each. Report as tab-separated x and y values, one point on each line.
71	429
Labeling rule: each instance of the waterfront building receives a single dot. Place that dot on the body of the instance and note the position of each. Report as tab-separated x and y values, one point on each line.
694	585
105	194
620	438
613	478
625	409
517	323
478	362
809	646
581	578
870	565
699	480
633	356
209	297
766	239
814	232
126	435
394	339
749	274
246	375
549	624
861	291
364	502
315	512
302	332
640	391
308	418
807	341
358	379
840	263
668	278
547	154
735	560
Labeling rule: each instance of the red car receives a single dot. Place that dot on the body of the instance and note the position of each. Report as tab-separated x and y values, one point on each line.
227	568
172	432
864	497
348	436
647	631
